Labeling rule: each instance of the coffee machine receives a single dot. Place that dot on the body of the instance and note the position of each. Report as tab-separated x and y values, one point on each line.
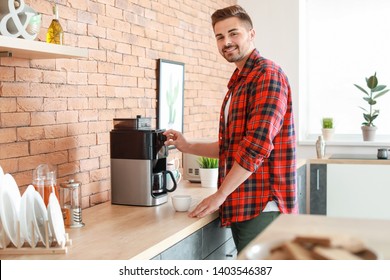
138	163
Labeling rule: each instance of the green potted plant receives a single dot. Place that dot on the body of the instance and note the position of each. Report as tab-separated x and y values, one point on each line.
370	96
327	128
208	172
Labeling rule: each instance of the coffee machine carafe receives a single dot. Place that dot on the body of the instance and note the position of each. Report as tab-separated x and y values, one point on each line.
138	164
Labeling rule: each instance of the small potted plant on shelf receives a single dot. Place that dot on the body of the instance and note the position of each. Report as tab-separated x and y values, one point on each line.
208	172
327	128
370	96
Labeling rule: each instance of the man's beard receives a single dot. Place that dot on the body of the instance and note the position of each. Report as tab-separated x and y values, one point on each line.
232	57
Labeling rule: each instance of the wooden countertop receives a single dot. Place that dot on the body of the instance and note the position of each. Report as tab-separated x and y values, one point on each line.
301	162
374	233
117	232
347	160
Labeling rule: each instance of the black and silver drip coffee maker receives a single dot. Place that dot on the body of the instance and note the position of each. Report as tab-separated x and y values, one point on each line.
138	163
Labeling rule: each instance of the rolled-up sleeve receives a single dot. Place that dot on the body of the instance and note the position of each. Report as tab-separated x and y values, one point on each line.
267	105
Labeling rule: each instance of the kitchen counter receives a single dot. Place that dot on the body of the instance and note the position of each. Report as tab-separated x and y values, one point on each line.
374	233
118	232
301	162
350	159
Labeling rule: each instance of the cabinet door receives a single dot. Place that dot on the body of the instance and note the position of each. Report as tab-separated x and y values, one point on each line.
358	191
226	251
190	248
213	237
301	192
318	189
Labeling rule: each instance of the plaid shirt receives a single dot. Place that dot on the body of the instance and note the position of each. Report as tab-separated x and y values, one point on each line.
259	136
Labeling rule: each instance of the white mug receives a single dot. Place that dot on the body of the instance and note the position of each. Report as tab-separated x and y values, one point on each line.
176	174
174	164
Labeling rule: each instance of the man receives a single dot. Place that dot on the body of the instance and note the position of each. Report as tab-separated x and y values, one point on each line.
256	146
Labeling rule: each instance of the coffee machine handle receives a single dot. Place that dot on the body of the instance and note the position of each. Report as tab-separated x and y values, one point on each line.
173	180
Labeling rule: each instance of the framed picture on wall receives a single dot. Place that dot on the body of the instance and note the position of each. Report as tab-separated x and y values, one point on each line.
170	95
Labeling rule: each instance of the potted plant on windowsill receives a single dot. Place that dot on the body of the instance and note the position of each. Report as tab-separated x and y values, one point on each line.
374	91
208	172
327	128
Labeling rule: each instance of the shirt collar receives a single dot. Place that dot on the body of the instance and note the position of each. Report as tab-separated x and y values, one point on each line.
246	69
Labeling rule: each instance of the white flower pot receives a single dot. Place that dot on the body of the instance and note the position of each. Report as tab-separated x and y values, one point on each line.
209	177
327	133
368	133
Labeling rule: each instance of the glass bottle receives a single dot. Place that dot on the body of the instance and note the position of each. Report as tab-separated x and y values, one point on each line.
55	33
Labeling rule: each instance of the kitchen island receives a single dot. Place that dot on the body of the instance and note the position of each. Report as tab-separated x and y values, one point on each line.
118	232
373	233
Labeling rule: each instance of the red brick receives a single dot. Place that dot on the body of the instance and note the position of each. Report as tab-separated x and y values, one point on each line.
68	169
8	104
42	146
13	150
54	104
43	118
100	197
14	89
78	153
30	133
77	103
89	164
14	119
7	73
7	135
100	174
97	151
88	115
29	75
77	78
54	77
56	131
77	128
67	116
9	165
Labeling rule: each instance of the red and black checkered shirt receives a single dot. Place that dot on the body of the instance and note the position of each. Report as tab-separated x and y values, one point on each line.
260	136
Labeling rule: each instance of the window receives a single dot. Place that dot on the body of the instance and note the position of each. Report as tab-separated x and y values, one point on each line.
344	42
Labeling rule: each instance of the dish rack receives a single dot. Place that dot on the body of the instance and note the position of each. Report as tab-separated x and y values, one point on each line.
51	247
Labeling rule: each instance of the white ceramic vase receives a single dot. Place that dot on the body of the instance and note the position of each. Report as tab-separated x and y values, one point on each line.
368	133
327	133
209	177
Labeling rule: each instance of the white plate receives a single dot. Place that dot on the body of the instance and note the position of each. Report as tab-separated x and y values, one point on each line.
4	240
10	205
27	217
40	217
56	220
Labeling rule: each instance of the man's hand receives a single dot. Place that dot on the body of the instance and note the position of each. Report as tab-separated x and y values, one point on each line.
176	139
208	205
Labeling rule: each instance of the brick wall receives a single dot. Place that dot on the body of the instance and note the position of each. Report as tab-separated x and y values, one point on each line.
60	111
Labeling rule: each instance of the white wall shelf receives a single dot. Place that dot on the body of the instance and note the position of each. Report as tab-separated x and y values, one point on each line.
21	48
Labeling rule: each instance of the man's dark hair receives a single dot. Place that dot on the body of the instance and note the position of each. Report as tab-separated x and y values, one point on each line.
232	11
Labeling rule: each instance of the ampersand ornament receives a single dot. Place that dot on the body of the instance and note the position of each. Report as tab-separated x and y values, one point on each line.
15	17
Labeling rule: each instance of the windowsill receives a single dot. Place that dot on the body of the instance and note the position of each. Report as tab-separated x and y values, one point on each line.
348	140
347	143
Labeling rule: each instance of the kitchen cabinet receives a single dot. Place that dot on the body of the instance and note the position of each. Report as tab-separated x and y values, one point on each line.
301	189
28	49
210	242
358	191
318	189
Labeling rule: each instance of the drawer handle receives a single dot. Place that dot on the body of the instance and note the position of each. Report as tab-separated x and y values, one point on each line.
318	179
